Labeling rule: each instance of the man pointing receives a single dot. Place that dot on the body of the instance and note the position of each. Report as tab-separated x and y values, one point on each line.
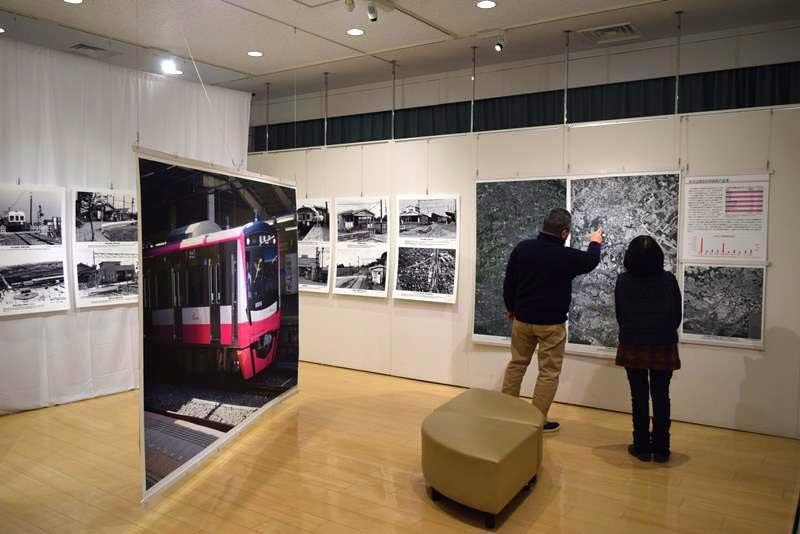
537	292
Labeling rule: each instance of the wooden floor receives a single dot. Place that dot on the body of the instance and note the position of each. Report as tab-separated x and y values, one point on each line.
343	456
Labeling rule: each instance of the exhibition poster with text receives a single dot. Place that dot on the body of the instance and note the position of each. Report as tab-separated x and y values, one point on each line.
314	244
32	253
105	250
726	219
362	246
427	248
219	318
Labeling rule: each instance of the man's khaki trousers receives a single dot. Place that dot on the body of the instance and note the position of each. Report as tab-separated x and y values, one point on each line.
524	339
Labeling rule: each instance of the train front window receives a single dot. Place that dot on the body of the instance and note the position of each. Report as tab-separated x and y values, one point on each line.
262	276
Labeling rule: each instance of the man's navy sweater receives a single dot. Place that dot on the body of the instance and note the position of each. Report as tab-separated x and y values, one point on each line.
538	283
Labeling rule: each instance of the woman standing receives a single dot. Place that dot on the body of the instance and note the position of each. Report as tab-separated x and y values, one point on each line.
648	305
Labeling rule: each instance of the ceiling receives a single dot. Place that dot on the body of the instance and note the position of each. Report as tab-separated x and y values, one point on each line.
302	39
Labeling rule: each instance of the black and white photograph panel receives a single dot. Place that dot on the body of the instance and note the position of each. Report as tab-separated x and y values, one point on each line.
507	213
361	270
428	218
313	266
362	220
426	270
32	282
220	322
106	275
105	216
314	220
723	302
31	216
625	207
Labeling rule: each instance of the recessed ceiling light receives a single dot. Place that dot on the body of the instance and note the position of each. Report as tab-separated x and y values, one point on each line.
168	67
486	4
74	1
2	30
355	32
255	53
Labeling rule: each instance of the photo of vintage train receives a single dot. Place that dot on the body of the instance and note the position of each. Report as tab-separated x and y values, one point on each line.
217	288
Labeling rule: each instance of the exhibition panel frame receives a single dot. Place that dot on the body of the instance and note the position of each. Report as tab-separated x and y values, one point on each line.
200	388
105	247
33	256
427	247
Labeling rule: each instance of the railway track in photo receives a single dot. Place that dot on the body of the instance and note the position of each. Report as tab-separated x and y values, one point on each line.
26	238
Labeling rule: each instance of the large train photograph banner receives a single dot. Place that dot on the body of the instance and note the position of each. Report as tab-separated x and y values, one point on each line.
32	254
219	307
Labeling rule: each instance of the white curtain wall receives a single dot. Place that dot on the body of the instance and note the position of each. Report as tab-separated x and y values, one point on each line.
71	122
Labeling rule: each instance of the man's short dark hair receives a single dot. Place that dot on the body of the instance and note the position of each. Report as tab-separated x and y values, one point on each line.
644	256
557	220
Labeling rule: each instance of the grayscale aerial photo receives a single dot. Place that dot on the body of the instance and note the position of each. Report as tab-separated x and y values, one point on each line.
626	207
723	301
426	270
507	213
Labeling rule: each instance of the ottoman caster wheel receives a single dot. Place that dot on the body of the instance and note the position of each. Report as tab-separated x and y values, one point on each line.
435	495
489	522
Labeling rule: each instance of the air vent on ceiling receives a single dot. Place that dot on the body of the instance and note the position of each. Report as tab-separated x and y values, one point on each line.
92	51
613	33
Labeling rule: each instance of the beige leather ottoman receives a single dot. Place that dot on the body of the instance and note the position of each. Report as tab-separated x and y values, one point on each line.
481	448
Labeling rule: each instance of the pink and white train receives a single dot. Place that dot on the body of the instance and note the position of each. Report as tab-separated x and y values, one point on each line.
217	288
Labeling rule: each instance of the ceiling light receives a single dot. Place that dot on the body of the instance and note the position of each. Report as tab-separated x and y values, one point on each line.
486	4
2	30
255	53
168	67
355	32
74	1
372	12
500	43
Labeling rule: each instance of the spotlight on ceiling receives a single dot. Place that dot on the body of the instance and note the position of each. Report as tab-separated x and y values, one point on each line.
355	32
255	53
500	43
74	1
2	30
486	4
372	12
169	67
350	4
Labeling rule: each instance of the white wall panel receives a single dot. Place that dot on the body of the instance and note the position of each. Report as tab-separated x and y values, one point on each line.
769	47
745	389
641	64
534	152
641	145
708	55
728	142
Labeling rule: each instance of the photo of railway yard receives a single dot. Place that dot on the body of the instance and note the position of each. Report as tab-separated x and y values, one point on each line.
361	269
507	213
220	328
32	286
362	220
428	218
723	301
107	274
426	270
30	217
105	216
313	221
625	207
313	265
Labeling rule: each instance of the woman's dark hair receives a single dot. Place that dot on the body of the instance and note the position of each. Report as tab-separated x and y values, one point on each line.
644	256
